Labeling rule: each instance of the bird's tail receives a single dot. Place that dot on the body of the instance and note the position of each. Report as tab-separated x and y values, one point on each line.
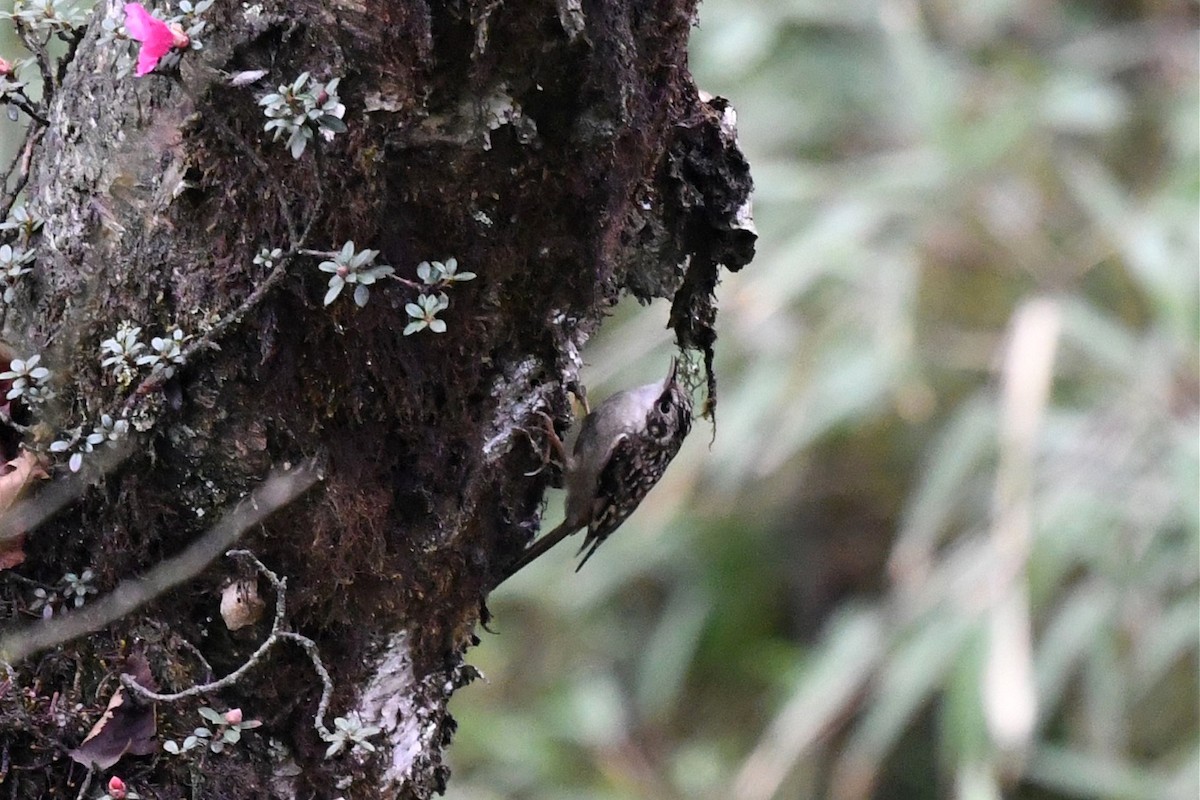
535	550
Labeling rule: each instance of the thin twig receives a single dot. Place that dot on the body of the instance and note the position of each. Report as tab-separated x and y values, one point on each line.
277	274
203	688
318	206
73	41
195	651
41	55
277	583
278	490
277	634
314	655
12	576
285	208
207	340
22	101
12	167
9	422
28	514
24	157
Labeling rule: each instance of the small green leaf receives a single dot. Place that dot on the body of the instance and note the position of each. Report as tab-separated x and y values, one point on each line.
211	714
334	290
332	123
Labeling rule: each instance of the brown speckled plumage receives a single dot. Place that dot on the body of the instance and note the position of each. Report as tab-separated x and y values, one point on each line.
624	447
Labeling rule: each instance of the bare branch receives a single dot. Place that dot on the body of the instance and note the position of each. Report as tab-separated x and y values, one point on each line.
41	55
277	633
21	101
299	237
285	208
278	490
30	513
23	158
310	647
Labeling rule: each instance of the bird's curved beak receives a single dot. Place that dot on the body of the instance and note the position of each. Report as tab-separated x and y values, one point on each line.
671	372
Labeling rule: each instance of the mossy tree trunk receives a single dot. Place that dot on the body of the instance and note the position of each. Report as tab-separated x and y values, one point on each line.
559	151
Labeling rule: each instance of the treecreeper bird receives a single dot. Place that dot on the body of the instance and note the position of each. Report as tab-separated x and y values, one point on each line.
623	448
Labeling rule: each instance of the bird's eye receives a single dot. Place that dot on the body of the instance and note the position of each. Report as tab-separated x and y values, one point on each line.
664	404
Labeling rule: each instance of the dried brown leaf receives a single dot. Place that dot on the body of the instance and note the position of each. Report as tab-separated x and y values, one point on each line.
18	473
126	726
15	476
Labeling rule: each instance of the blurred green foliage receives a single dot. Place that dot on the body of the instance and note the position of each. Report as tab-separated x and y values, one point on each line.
947	540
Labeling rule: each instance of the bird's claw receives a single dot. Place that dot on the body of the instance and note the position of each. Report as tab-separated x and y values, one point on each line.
553	446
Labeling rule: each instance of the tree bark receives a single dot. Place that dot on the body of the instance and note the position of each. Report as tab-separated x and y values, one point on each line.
560	151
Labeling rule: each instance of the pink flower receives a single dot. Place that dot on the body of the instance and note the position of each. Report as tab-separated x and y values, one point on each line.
116	788
233	716
6	68
156	36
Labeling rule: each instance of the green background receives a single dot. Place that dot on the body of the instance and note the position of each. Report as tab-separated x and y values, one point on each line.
826	601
